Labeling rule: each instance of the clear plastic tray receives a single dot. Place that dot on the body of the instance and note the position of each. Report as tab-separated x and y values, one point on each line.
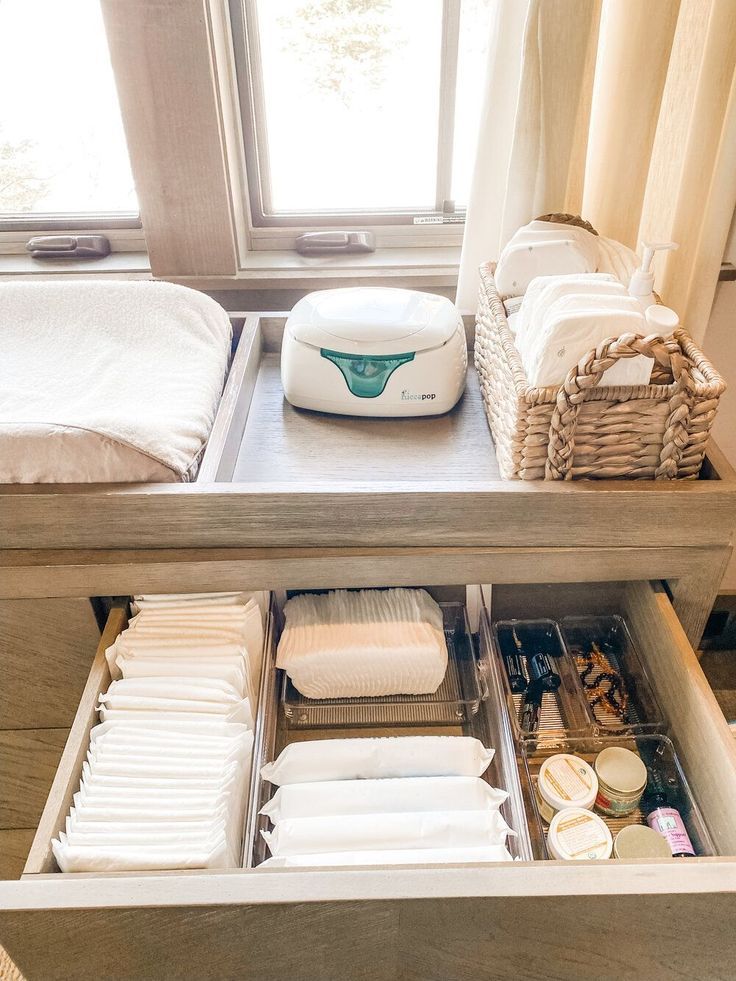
561	712
623	699
455	702
489	723
665	775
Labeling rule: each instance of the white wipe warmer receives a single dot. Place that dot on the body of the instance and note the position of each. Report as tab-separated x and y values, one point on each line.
372	351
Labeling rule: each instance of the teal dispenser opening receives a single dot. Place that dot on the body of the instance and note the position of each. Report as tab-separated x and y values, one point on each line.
366	376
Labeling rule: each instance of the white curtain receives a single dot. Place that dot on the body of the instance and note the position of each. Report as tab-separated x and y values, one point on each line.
621	110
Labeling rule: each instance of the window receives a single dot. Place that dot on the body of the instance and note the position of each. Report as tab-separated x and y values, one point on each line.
360	111
63	158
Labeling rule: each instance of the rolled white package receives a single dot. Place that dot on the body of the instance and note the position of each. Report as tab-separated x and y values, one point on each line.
366	832
393	795
397	856
378	758
545	290
365	643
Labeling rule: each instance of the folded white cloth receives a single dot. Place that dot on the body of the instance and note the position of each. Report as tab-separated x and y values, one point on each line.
367	643
545	290
544	248
140	858
377	758
107	381
576	324
165	783
221	641
337	797
366	832
397	856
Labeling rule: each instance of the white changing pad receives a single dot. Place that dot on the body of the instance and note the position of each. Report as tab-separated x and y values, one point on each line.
112	382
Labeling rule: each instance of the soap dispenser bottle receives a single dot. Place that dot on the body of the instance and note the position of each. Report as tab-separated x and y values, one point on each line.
641	285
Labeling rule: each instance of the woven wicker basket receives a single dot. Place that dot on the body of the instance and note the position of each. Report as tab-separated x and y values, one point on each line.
585	430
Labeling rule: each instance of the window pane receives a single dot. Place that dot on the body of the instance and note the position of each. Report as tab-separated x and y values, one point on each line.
62	147
351	90
475	29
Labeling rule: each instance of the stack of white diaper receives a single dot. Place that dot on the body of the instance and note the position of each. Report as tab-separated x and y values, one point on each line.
165	782
562	318
544	248
366	643
395	800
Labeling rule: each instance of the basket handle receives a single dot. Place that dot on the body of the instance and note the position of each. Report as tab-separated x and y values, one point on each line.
587	374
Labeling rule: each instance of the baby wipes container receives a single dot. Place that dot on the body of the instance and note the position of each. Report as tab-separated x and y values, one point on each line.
374	351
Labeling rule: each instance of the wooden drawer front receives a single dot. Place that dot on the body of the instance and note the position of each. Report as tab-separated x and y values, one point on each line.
521	920
51	641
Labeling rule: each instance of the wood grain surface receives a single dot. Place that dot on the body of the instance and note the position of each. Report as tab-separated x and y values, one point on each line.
14	847
284	444
28	762
46	649
571	938
161	54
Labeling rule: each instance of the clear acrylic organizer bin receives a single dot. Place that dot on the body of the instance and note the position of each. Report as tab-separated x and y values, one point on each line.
561	711
615	683
665	776
483	716
455	702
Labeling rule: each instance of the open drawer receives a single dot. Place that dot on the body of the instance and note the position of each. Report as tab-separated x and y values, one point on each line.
522	919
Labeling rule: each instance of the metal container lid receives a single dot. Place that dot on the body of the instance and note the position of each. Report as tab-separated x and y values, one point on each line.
621	770
638	841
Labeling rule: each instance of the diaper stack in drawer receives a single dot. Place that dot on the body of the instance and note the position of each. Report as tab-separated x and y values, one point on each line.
387	800
165	783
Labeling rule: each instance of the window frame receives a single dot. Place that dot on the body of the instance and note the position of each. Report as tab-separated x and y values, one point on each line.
433	226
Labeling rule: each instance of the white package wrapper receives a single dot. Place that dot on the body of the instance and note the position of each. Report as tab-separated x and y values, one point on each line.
139	858
122	779
229	669
199	728
365	643
366	832
301	800
240	713
195	689
378	758
397	856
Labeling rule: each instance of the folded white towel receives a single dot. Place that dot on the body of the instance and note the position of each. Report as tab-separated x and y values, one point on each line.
96	367
545	290
366	643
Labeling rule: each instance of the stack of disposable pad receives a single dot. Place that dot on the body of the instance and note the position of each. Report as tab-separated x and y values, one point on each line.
165	782
393	801
562	318
366	643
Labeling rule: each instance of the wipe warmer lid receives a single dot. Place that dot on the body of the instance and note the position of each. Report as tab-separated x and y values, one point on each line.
373	320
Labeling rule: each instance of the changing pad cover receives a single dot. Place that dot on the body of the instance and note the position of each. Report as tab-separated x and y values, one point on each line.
103	381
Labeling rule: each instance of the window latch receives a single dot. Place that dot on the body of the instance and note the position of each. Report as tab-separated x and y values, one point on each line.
331	243
69	246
